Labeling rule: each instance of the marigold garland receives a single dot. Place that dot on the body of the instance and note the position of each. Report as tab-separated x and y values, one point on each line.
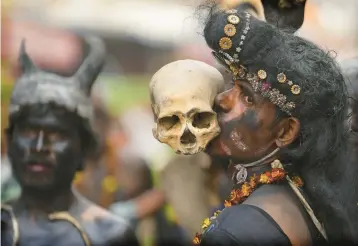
238	196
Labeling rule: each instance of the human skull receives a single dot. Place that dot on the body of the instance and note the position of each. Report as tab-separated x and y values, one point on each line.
182	96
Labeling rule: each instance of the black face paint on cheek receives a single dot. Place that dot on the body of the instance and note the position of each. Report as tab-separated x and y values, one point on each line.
62	156
248	120
235	130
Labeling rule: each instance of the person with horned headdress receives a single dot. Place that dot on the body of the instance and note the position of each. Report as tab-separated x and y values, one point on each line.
284	138
49	137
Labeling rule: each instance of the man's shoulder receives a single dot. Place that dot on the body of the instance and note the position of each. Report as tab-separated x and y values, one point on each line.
103	226
92	213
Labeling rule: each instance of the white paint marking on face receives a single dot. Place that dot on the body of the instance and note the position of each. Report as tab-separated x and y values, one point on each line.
225	148
40	141
237	139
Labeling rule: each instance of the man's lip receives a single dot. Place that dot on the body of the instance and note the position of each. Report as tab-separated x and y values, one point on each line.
39	167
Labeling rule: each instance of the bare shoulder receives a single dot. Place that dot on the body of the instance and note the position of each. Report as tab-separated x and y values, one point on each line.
90	212
285	209
102	225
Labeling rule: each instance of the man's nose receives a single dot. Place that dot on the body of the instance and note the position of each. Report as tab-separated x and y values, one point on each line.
223	102
39	145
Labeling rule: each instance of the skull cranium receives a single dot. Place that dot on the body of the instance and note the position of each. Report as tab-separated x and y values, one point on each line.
182	96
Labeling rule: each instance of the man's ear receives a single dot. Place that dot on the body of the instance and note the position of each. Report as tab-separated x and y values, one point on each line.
289	132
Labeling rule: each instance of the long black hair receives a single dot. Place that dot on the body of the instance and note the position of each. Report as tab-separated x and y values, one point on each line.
323	153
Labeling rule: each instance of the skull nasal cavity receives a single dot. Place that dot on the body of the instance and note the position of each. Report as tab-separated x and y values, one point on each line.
187	137
203	120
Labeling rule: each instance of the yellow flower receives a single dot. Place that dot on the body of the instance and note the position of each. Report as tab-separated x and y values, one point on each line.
264	179
246	189
217	212
206	223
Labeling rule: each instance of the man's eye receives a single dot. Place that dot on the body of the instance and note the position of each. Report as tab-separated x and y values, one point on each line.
55	136
28	132
248	100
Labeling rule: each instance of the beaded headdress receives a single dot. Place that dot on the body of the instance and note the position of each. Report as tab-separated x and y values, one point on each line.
229	56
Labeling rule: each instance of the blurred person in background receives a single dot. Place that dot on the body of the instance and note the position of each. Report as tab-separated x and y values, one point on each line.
332	24
49	137
203	188
115	178
40	39
148	210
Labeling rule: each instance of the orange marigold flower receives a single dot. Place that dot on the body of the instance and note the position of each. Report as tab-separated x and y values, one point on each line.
278	173
238	195
196	239
297	181
233	195
227	204
275	173
252	181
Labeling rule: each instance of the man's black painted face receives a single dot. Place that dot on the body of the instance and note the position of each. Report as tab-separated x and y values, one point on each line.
45	148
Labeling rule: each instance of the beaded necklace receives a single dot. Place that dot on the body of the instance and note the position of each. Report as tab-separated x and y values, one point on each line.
238	196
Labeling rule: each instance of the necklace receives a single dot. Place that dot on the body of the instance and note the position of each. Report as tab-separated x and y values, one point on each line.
240	175
238	196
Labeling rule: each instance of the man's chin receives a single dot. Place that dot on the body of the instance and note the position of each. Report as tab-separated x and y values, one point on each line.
38	183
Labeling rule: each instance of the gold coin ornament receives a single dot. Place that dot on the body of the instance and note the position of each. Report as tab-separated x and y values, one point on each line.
296	89
225	43
281	77
230	30
262	74
233	19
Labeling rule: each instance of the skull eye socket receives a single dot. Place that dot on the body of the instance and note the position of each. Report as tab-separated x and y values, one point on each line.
168	122
203	120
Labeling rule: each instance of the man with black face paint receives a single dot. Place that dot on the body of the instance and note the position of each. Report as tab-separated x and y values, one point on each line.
284	137
49	137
